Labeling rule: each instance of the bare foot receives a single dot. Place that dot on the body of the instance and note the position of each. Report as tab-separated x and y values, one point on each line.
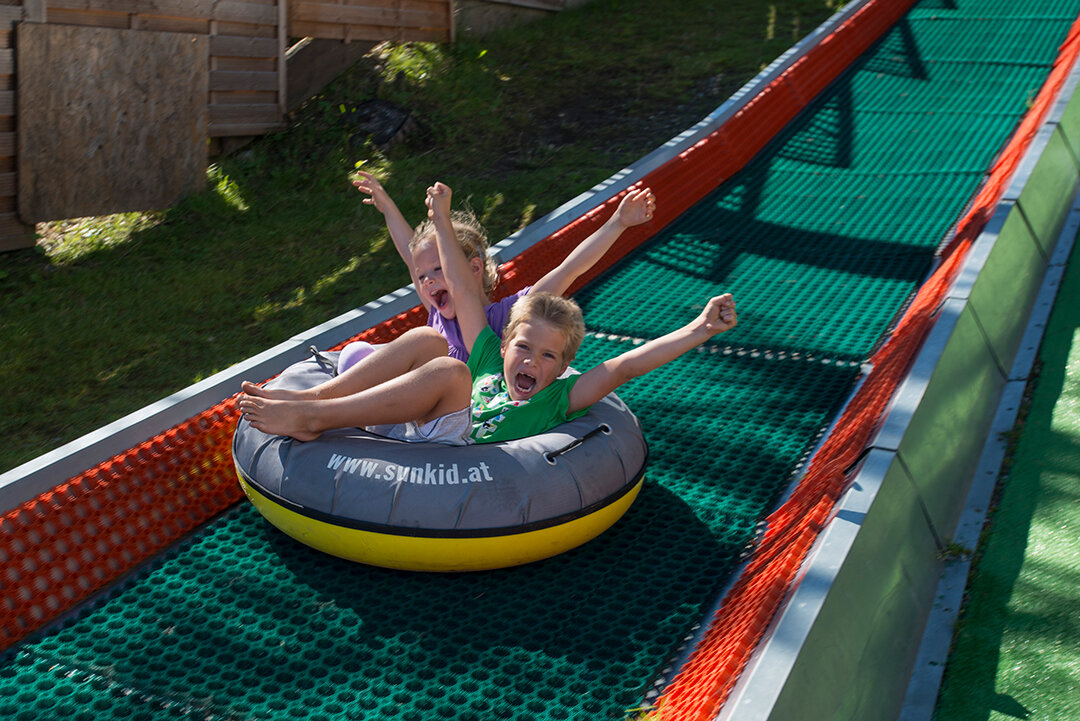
278	417
279	394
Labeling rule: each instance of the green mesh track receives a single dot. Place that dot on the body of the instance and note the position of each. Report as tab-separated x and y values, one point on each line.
822	239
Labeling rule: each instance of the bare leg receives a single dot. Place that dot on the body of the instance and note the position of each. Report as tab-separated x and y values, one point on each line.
441	386
407	352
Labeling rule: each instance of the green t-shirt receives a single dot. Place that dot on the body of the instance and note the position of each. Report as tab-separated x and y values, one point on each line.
495	416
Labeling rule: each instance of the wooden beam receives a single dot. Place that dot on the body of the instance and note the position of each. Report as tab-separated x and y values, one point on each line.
221	80
241	12
225	130
14	234
243	113
367	15
237	46
549	5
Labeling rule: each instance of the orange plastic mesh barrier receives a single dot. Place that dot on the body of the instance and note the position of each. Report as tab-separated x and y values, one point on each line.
704	683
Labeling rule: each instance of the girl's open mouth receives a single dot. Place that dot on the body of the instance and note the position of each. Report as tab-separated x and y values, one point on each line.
440	298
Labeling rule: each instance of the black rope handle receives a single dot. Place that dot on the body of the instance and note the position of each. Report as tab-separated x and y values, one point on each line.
550	456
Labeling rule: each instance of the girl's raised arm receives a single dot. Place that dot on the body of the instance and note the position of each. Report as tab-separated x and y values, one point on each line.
461	282
401	232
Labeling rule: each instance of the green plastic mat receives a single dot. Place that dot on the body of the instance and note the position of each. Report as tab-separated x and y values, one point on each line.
822	239
1015	653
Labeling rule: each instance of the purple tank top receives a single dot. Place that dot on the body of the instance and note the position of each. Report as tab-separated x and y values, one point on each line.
497	315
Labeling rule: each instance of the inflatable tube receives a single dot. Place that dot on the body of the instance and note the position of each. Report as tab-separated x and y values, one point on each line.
431	507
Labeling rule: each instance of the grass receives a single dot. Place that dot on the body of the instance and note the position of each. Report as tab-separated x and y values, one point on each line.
1014	652
107	315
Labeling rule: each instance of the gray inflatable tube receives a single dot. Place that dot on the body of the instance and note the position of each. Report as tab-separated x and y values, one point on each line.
432	507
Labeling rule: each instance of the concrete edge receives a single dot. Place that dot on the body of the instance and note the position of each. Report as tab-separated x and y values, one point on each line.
929	668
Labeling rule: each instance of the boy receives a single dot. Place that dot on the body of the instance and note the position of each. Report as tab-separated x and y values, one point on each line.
411	390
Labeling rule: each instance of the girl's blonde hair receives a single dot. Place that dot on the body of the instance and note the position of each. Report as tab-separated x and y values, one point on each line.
563	313
470	235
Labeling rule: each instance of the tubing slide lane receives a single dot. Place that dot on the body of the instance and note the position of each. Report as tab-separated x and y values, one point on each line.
62	543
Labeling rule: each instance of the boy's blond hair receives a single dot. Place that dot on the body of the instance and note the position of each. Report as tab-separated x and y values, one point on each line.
470	235
563	313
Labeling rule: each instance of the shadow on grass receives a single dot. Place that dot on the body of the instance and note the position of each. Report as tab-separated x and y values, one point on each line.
1021	600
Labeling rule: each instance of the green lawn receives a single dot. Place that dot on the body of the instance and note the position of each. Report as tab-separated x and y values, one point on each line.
1015	653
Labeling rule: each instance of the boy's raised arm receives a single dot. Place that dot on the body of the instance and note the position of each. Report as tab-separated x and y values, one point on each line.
718	316
460	280
636	207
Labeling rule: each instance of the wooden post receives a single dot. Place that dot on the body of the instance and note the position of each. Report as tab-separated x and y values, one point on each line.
283	47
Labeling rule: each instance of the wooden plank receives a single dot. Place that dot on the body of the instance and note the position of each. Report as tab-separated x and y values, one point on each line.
243	47
10	225
402	6
7	62
7	145
199	9
369	33
153	23
9	186
93	6
550	5
263	65
263	114
244	29
245	12
282	49
249	13
244	97
7	102
123	121
227	130
202	9
14	234
10	14
221	80
85	19
360	15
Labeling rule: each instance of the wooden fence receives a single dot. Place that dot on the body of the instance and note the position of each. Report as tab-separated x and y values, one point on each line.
13	233
246	84
247	41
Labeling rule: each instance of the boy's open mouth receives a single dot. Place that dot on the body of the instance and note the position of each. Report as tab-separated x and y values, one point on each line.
524	383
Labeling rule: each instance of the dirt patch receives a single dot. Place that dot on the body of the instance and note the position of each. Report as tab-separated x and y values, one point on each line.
615	125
